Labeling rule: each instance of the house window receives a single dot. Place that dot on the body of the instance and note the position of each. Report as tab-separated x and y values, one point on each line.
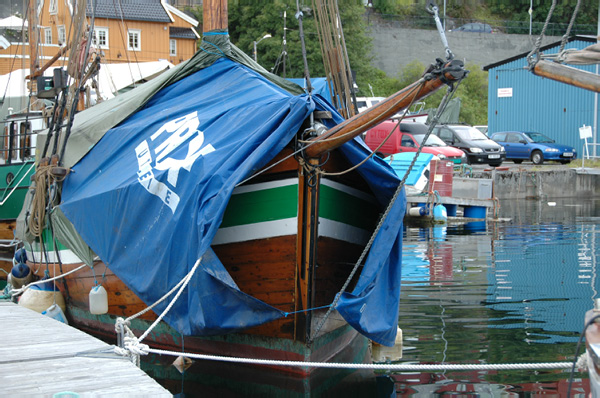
53	6
62	35
173	47
48	35
134	42
101	37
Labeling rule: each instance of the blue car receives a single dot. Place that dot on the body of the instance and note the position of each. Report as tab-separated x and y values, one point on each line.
525	145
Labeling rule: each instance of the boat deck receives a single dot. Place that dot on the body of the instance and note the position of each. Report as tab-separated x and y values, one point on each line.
42	356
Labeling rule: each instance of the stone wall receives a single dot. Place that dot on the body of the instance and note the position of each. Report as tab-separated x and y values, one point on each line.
394	47
571	183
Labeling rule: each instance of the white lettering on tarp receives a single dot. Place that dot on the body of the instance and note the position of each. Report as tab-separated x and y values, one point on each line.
147	180
182	130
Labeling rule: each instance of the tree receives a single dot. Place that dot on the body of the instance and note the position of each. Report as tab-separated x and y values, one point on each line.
250	21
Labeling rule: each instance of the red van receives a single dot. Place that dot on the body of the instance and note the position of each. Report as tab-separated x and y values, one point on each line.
407	138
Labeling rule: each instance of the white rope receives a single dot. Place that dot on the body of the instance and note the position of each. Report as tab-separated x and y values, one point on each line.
17	184
185	280
132	346
12	243
142	312
396	367
24	288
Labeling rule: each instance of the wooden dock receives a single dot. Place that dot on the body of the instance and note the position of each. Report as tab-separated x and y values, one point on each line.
43	357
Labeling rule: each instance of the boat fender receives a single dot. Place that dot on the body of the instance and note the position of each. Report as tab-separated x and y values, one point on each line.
98	300
56	313
21	256
20	275
417	211
440	213
40	297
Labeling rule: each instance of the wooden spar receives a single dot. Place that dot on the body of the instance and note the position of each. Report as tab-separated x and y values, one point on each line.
567	74
383	110
48	64
214	15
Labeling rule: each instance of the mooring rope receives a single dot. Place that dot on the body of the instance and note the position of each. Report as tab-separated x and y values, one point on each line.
143	350
24	288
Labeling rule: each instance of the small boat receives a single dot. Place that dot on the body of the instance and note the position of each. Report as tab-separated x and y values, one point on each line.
16	168
256	197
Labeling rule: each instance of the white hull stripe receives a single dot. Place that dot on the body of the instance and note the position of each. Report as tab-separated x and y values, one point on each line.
272	229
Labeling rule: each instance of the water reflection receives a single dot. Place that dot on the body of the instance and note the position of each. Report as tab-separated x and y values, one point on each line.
499	293
490	293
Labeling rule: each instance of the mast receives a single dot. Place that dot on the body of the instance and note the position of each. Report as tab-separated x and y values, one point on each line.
214	15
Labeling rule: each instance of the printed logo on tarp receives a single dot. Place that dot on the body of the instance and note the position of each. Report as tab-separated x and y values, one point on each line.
176	134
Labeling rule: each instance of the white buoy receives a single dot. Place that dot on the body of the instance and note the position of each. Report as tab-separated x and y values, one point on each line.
417	211
56	313
98	300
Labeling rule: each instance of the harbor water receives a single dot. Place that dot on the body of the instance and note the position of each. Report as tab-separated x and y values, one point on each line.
514	291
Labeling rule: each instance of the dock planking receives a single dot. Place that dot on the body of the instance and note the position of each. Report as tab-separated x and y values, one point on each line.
42	356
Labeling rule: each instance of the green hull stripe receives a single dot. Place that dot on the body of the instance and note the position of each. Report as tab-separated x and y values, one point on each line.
269	210
278	201
261	206
346	208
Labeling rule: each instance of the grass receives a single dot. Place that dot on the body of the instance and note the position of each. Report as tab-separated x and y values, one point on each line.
589	163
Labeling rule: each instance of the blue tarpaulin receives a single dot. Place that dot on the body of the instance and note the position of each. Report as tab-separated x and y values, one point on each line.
150	195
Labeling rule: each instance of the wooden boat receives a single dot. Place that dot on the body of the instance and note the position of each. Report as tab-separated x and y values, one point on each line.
277	236
16	168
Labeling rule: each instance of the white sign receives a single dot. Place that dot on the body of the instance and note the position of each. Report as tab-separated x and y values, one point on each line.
505	92
585	132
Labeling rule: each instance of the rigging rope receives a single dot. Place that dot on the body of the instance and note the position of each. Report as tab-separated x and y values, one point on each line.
571	22
447	97
538	42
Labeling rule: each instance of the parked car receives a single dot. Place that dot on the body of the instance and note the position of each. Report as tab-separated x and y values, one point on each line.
477	27
408	139
364	103
483	129
527	145
476	145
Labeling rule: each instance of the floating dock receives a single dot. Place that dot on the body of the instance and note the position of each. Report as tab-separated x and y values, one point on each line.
472	208
43	357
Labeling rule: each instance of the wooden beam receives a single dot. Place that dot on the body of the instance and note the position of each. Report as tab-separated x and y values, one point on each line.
567	74
48	64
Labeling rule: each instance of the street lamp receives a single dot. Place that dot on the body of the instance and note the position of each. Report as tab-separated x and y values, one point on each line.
256	42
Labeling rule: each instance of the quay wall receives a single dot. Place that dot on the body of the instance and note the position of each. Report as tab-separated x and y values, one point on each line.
571	183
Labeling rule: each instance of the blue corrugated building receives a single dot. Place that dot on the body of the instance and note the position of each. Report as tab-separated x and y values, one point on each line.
520	100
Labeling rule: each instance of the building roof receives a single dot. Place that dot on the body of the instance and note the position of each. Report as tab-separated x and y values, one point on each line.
13	22
181	33
591	39
189	19
131	10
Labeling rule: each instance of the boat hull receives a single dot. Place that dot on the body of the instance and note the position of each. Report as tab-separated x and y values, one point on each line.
283	242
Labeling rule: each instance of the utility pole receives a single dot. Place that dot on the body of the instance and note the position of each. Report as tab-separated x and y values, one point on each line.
595	129
284	41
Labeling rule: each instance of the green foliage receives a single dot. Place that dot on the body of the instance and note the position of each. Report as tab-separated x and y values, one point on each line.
250	21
